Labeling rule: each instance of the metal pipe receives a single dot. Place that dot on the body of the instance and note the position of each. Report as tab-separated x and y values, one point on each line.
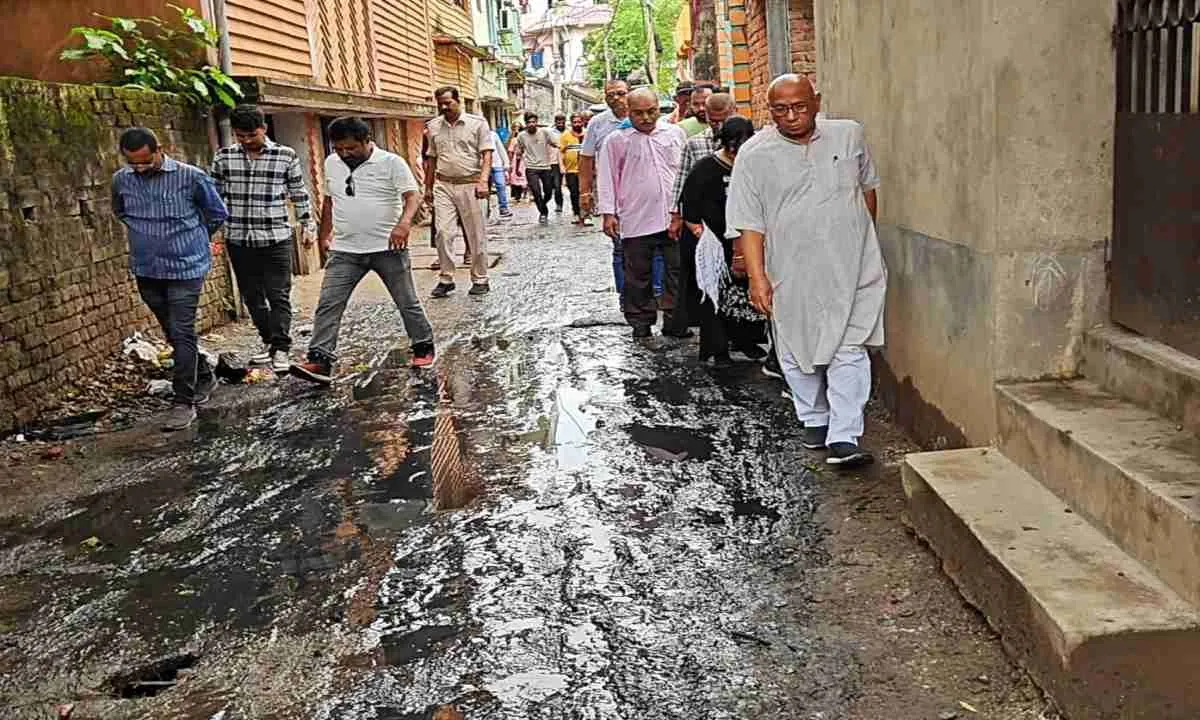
225	59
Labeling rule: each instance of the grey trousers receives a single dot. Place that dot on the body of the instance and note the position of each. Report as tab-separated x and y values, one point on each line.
343	272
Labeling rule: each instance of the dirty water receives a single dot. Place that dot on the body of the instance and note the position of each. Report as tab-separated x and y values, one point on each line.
551	522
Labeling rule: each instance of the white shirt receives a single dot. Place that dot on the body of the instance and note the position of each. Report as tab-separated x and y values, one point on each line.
823	257
363	223
499	154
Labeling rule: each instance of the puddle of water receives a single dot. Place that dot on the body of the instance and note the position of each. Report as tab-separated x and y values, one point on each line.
570	427
671	443
528	687
402	649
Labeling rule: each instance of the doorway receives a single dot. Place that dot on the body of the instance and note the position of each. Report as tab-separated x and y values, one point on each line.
1155	262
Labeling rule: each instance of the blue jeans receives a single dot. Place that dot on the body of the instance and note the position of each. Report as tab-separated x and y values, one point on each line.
656	273
498	182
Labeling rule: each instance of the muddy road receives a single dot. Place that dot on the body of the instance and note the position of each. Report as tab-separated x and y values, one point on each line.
554	521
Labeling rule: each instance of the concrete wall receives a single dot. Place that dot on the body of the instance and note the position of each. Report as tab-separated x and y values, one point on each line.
35	32
992	126
66	296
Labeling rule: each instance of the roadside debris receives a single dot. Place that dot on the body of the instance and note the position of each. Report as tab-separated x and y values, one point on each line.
142	350
159	388
232	368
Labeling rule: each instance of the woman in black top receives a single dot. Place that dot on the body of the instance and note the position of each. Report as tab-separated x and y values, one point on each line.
734	323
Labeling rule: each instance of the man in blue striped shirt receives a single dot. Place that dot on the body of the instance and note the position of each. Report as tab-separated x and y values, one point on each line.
171	211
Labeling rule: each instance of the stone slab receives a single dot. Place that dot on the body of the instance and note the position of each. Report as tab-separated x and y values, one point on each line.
1134	474
1146	372
1088	621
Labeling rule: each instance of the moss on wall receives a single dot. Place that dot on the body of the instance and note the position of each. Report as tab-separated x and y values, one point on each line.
39	122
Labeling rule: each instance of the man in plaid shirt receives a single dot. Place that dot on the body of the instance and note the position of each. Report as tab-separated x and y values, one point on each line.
719	107
257	177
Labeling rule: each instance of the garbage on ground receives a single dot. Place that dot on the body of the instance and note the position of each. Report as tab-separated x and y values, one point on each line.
139	348
160	388
54	452
258	375
68	427
231	368
92	543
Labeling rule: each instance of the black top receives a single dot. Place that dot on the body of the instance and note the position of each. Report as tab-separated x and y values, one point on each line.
703	198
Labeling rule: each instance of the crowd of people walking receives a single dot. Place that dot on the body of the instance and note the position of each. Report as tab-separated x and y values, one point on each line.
759	239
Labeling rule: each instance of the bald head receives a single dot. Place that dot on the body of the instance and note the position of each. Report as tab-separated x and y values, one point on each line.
794	104
718	108
643	109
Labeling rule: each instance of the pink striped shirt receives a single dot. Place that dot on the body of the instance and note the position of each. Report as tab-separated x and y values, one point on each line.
635	175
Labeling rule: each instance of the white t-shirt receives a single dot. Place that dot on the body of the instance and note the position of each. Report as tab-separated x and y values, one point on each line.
363	223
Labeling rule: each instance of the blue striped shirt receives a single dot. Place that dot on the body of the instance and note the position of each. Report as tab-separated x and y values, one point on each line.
171	213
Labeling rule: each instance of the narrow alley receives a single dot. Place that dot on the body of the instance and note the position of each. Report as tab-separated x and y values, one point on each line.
554	521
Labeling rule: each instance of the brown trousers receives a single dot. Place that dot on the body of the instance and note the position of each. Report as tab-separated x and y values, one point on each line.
454	203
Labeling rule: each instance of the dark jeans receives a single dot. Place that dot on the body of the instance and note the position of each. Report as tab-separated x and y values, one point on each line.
556	183
641	309
343	272
573	190
264	278
687	303
174	303
540	185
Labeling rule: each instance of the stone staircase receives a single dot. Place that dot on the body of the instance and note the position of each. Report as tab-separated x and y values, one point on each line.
1079	536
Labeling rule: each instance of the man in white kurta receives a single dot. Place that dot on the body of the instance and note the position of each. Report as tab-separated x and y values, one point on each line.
803	197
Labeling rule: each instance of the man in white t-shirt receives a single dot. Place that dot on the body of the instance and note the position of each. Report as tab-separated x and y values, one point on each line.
371	197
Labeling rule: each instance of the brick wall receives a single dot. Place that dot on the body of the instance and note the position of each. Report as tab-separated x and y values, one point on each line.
66	296
803	41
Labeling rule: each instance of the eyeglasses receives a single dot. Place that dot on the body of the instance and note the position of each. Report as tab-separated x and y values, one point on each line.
350	186
783	110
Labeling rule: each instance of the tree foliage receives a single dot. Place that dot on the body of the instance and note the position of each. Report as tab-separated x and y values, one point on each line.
152	54
627	42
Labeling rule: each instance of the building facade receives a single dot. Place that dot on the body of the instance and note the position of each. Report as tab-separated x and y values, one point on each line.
553	34
743	44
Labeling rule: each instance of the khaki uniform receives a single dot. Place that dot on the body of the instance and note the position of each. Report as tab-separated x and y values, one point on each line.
457	149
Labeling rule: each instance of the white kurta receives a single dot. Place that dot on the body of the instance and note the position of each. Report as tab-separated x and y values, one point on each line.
822	254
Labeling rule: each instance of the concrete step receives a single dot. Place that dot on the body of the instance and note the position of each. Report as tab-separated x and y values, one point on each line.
1145	372
1134	474
1101	634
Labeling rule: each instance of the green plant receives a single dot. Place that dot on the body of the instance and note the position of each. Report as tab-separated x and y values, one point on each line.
153	54
627	42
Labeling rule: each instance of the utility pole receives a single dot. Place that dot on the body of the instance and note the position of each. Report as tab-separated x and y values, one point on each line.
225	60
651	43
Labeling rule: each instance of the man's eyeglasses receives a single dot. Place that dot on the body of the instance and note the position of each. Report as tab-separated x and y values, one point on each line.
350	186
782	110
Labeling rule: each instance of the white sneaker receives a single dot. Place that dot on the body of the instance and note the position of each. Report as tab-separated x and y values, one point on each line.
261	358
280	362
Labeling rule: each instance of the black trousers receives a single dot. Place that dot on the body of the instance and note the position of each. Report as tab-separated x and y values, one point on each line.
687	304
540	185
556	182
264	278
641	307
174	304
719	334
573	189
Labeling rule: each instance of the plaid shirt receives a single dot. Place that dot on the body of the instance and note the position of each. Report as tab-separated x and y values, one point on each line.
696	149
256	192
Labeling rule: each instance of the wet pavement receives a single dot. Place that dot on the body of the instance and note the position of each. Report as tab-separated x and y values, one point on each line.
554	521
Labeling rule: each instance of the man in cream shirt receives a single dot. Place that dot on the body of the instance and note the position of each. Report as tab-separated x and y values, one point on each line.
371	197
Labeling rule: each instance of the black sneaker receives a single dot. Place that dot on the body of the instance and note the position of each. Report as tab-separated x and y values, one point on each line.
683	334
422	355
314	371
479	289
204	389
442	290
814	437
543	219
848	455
641	331
506	213
771	367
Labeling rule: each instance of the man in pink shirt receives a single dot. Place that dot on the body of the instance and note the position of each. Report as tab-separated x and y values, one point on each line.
635	175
